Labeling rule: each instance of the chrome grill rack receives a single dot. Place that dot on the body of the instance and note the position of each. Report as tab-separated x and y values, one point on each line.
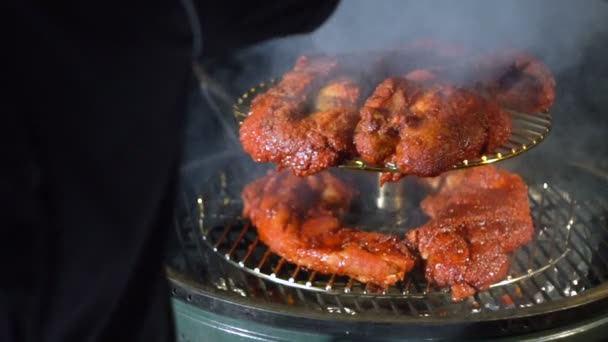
556	264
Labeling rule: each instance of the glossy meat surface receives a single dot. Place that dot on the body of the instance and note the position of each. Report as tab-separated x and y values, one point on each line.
425	128
298	218
477	216
306	122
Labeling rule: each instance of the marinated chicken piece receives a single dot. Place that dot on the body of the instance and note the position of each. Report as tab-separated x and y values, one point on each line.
517	80
287	125
339	93
499	121
514	79
478	216
298	218
425	129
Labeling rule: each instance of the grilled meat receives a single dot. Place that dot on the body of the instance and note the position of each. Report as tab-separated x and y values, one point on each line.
287	125
477	217
513	79
516	80
426	129
298	218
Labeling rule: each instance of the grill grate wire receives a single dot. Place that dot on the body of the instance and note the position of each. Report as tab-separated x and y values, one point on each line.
557	264
582	267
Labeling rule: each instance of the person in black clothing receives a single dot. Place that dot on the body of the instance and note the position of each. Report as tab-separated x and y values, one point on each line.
91	142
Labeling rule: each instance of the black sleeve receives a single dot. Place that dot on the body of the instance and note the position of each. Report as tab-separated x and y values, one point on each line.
91	142
243	23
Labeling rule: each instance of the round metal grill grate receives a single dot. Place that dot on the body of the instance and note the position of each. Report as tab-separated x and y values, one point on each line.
556	264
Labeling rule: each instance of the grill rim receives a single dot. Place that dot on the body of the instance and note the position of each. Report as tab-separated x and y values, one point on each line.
227	303
598	294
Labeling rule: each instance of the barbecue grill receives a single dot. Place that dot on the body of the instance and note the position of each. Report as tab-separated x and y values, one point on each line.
227	284
556	280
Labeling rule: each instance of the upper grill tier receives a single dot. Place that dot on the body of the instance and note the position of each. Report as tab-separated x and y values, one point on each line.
528	131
